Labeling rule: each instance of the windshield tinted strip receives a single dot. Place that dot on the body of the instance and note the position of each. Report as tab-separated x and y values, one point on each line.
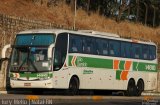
34	39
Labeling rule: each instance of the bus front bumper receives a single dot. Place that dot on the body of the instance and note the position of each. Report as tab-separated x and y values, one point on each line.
32	84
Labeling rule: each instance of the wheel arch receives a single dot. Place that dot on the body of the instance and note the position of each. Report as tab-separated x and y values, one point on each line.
74	76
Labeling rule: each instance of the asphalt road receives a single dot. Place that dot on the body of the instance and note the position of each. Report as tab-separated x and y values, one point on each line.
20	99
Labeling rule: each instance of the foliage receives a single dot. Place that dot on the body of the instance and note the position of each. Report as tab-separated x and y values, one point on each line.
143	11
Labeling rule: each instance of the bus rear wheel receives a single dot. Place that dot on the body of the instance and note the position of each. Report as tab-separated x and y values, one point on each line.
131	89
73	86
140	87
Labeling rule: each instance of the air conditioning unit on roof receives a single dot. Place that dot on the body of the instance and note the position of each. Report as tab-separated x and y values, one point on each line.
100	33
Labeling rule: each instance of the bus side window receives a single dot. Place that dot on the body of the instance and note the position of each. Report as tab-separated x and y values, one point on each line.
125	49
88	45
105	49
145	52
88	48
102	46
114	48
137	51
152	51
98	47
111	51
137	54
75	44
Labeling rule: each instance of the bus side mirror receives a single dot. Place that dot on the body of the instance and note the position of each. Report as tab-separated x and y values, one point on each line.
3	56
50	48
4	51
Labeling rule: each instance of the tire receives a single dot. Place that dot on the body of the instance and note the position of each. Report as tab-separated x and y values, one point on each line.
140	87
73	86
131	89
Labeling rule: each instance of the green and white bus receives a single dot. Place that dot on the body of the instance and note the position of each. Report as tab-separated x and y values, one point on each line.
75	60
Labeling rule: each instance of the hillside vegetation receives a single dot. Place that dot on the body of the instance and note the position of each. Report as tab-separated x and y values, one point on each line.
62	14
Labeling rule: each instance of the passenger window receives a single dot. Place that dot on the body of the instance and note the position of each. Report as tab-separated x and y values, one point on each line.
114	48
105	48
88	45
102	46
152	50
75	44
125	49
137	51
145	52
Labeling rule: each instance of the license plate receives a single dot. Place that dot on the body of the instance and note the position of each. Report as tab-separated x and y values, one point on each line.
27	84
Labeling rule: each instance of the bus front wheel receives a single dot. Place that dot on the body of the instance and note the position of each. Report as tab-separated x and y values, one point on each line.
73	86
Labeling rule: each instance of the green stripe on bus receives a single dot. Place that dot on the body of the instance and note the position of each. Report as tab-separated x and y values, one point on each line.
140	66
79	61
91	62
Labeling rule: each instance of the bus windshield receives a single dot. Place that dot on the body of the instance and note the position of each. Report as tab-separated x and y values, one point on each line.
30	53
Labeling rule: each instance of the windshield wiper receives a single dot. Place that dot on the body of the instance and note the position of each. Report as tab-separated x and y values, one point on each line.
22	65
28	60
35	68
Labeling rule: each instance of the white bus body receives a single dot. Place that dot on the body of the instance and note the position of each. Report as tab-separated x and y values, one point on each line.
82	60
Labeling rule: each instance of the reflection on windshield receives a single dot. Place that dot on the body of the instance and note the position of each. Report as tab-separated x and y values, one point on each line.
30	52
29	59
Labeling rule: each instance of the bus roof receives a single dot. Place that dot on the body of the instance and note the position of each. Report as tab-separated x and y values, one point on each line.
40	31
88	33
